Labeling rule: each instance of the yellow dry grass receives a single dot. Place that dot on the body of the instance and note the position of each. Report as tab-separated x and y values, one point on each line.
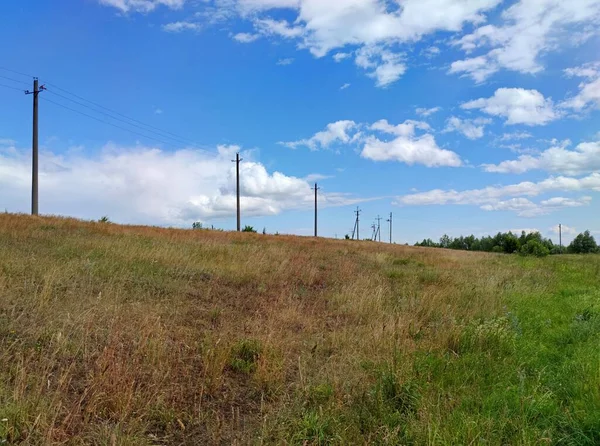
127	335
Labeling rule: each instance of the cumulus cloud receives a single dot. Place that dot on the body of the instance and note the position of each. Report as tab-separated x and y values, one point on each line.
246	37
566	230
287	61
515	135
342	132
325	26
148	185
517	106
177	27
557	159
589	91
471	128
427	111
526	30
382	141
408	147
493	197
142	6
381	64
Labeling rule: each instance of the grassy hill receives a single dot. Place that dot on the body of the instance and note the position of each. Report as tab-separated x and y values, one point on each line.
122	335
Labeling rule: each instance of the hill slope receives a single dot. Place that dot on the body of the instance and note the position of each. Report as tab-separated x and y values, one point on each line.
134	335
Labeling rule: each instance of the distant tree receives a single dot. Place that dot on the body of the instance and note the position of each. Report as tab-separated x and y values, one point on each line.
264	231
347	237
583	244
197	225
534	248
445	241
248	229
104	219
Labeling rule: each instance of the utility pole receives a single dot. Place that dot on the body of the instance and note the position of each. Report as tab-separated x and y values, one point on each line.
237	182
316	189
390	222
374	233
356	230
34	147
379	226
560	236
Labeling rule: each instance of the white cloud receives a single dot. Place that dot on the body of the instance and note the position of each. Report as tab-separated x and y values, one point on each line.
407	147
323	26
338	57
346	85
517	105
148	185
246	37
177	27
515	135
336	132
557	159
471	128
566	230
526	208
491	196
282	28
427	111
479	68
158	111
589	92
382	65
142	6
527	30
287	61
431	52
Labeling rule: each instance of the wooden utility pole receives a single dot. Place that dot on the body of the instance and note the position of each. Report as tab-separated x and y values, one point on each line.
237	183
316	189
379	226
357	212
34	148
560	237
390	222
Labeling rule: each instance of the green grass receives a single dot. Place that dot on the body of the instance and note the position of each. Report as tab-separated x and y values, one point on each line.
116	335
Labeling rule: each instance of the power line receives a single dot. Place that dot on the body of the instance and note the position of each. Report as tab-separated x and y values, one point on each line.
106	122
117	113
117	119
146	127
12	88
14	80
16	72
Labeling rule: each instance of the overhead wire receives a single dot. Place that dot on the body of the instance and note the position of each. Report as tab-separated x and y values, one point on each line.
109	113
13	88
119	114
105	122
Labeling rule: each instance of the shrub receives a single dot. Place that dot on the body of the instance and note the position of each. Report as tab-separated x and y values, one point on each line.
583	244
534	248
244	356
248	228
104	219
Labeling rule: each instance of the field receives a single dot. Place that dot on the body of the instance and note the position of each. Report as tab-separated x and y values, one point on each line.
123	335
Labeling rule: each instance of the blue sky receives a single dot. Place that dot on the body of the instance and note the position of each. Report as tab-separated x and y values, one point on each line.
459	116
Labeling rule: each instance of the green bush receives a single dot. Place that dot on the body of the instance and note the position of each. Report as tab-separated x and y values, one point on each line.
244	356
534	248
248	229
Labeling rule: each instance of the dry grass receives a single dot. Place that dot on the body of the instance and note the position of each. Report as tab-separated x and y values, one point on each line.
136	335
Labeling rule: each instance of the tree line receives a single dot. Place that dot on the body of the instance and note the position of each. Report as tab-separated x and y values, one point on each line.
531	243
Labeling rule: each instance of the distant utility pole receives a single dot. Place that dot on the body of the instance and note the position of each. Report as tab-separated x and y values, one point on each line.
34	147
560	237
237	182
379	226
356	230
316	189
390	222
